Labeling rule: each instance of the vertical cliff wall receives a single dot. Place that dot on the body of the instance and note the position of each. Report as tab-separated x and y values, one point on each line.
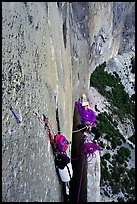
36	76
48	53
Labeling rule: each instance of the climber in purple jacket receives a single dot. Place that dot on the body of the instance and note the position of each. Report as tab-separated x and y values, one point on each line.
87	117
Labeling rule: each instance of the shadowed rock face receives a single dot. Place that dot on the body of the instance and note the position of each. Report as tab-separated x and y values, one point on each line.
48	53
78	184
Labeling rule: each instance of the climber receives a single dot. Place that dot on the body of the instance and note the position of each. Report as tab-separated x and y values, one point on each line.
87	117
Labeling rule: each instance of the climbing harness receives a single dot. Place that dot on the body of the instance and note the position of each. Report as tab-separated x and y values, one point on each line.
16	117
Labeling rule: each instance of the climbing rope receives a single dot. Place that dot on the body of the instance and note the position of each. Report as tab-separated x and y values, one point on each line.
70	132
39	118
75	130
48	124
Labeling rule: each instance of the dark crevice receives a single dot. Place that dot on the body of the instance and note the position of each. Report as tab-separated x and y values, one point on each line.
57	119
78	76
77	163
59	4
30	19
64	33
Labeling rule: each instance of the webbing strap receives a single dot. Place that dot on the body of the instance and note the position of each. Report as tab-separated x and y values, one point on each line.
68	171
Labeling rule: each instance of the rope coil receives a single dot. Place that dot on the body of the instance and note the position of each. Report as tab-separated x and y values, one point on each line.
87	149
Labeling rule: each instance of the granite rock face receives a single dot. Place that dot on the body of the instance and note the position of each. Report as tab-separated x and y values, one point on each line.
36	77
48	53
93	181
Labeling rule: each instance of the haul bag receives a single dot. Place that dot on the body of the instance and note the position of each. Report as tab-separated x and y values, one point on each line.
66	173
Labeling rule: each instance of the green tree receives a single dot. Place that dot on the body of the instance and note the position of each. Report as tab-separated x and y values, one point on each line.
131	174
118	97
107	156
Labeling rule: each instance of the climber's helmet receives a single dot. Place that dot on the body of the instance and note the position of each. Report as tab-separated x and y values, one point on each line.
85	103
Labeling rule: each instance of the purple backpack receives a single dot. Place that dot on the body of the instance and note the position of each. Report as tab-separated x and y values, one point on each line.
62	142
